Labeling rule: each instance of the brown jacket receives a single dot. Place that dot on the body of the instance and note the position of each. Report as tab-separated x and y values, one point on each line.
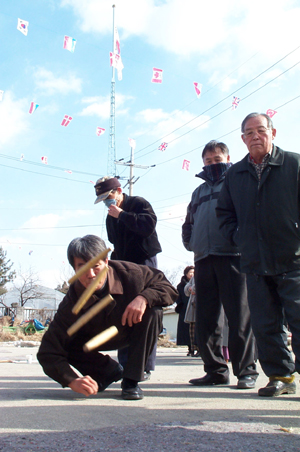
126	280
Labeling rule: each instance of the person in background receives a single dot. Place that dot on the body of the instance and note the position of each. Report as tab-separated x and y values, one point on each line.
183	335
190	314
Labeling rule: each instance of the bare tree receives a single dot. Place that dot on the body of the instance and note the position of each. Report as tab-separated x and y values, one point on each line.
27	286
66	272
174	274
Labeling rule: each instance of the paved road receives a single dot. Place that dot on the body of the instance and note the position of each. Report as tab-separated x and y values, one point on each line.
36	414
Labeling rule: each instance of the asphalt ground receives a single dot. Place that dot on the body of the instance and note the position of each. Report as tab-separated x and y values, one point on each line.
36	414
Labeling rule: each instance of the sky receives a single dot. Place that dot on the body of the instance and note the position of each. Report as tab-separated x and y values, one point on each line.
250	50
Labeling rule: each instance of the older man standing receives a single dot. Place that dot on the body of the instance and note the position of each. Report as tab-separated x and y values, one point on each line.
258	210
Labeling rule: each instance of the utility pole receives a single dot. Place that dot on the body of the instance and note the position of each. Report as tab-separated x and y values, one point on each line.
111	167
131	164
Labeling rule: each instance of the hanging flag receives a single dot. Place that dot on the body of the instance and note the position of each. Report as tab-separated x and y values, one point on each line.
115	56
22	157
186	165
116	61
32	108
198	88
235	102
69	43
23	26
117	48
66	121
68	171
100	131
271	113
44	160
1	95
132	143
163	146
157	75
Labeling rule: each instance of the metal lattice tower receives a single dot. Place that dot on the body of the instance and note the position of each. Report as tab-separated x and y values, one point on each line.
111	166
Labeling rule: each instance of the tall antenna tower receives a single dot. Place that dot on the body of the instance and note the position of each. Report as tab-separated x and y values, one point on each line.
111	166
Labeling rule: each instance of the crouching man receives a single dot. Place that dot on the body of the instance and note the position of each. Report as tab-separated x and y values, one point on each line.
139	293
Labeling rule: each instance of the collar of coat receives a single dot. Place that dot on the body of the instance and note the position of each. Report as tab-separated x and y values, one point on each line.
276	159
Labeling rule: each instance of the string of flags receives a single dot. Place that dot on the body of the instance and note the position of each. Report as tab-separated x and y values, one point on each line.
163	147
157	76
99	131
271	113
198	88
186	165
23	26
235	102
66	121
33	107
69	44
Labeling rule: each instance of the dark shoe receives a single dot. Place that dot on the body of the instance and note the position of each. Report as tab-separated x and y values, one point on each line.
197	355
147	376
116	375
246	382
276	387
131	390
210	380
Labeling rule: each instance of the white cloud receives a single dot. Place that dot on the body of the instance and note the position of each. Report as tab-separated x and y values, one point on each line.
100	106
164	124
224	33
48	220
13	117
50	84
188	27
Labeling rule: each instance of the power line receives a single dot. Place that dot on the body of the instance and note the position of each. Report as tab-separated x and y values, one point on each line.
222	100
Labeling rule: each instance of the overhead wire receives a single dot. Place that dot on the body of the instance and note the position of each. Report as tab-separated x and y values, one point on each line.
216	104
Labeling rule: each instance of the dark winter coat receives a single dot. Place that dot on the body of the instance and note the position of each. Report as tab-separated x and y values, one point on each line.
200	231
262	218
133	234
183	335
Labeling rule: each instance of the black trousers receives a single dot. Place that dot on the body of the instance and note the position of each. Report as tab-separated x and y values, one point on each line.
140	340
272	300
219	284
123	352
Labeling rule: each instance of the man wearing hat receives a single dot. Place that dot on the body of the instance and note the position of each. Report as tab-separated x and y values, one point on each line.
130	225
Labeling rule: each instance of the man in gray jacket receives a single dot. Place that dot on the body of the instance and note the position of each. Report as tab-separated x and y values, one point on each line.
219	283
258	209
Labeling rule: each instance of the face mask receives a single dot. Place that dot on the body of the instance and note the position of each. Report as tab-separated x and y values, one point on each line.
110	202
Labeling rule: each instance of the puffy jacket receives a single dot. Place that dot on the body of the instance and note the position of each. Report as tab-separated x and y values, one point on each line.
200	231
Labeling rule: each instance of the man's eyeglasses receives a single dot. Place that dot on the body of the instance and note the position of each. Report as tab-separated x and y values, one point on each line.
260	131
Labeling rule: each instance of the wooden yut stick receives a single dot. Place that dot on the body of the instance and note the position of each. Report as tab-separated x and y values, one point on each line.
90	314
89	291
100	339
89	265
